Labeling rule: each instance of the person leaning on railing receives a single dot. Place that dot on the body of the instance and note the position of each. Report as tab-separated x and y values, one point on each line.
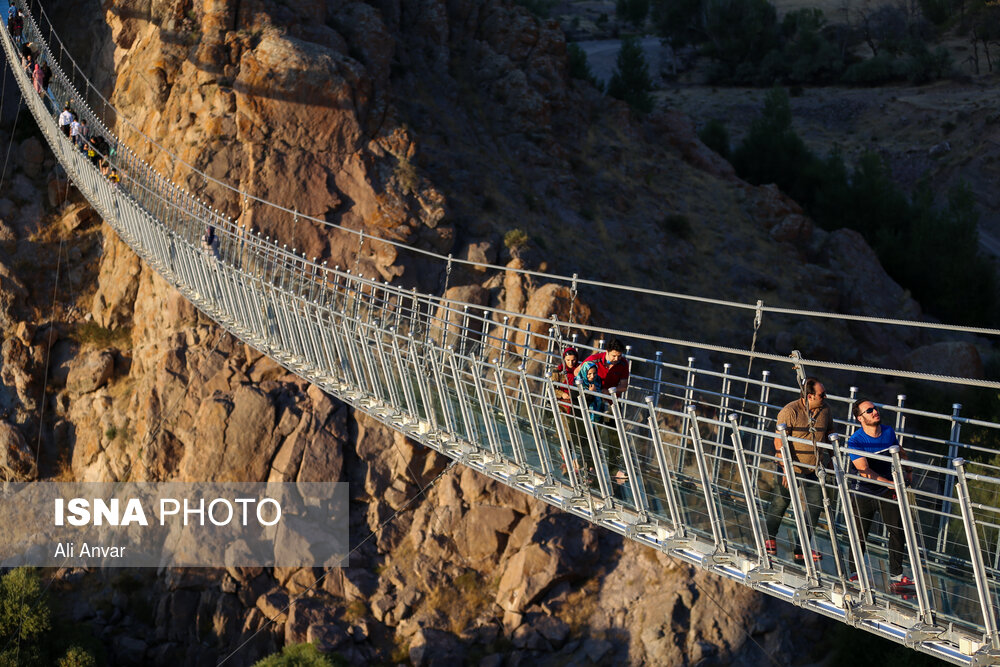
807	420
875	490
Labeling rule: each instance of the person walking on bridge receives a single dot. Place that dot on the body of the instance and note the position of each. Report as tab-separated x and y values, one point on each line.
612	367
874	488
66	119
806	419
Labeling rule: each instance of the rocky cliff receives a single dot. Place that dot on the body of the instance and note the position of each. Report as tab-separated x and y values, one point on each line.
442	124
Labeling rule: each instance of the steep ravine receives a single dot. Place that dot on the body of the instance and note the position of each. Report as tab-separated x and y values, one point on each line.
443	125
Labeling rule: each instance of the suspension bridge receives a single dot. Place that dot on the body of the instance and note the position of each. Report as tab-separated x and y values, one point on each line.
684	462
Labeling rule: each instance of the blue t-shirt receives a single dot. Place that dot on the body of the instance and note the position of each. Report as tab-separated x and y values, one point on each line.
880	445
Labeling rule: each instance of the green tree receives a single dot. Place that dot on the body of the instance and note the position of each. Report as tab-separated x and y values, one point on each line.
771	152
630	81
24	609
678	21
579	68
740	33
298	655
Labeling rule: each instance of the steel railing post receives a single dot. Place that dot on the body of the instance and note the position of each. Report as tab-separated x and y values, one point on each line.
516	443
601	469
629	457
798	511
986	600
916	561
463	406
666	475
758	438
486	409
715	521
541	446
749	495
854	536
564	446
949	481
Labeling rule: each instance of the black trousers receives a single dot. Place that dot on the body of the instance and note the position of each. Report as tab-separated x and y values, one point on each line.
866	506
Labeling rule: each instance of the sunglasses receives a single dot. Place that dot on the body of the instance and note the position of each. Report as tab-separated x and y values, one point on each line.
869	411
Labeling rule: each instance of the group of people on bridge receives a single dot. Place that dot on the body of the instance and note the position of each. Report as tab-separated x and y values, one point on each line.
806	422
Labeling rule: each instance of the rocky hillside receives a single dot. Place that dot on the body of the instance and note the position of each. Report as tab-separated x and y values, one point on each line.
444	125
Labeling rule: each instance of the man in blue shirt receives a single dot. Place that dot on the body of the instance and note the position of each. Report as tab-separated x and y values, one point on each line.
874	488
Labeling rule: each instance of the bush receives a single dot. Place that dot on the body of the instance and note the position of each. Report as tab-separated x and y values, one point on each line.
630	81
676	224
298	655
876	70
716	136
515	240
77	656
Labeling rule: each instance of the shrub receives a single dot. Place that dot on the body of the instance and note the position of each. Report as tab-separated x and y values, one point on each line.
676	224
716	136
298	655
515	240
876	70
406	174
77	656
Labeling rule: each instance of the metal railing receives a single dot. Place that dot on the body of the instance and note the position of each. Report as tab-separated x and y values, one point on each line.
682	461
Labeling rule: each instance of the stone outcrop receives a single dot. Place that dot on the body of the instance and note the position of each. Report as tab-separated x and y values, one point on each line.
17	460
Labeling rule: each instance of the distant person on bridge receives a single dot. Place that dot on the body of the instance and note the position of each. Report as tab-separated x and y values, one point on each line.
16	25
66	119
875	490
807	418
37	78
75	131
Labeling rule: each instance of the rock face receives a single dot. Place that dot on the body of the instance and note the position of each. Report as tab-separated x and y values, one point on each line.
955	358
17	461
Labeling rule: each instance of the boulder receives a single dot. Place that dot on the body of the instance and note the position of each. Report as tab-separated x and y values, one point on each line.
327	636
129	650
77	216
770	206
795	228
957	358
430	647
303	613
867	289
31	156
527	575
90	371
232	438
274	605
482	532
17	461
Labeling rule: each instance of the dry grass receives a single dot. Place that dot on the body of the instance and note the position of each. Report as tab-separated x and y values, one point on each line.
462	601
580	606
93	335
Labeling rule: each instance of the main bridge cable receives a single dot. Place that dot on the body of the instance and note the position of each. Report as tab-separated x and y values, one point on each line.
485	265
